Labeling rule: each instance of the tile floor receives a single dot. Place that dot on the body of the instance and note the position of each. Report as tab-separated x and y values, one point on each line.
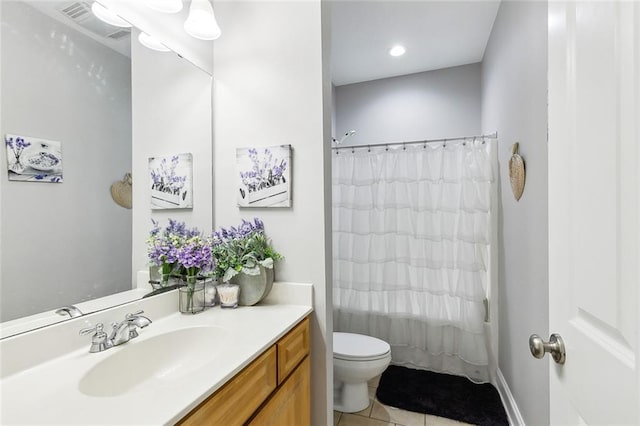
377	414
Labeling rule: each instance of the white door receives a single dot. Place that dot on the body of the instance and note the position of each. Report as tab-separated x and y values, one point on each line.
594	215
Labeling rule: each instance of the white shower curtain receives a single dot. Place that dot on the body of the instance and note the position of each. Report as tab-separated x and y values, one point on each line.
411	235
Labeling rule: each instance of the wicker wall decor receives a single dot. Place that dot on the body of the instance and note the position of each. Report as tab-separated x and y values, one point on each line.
121	191
516	172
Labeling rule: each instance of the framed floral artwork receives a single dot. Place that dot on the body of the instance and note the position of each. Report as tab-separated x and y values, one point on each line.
171	182
32	159
264	176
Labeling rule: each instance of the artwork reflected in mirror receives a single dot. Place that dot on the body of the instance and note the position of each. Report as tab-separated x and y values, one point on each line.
171	180
32	159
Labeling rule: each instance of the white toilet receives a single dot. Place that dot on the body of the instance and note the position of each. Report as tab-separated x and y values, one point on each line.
356	360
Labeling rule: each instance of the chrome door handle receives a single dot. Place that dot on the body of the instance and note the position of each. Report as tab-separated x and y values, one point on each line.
555	346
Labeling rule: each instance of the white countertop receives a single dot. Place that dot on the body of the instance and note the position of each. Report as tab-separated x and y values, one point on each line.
44	389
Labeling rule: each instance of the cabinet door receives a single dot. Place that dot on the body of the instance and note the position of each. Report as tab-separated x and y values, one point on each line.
292	348
238	399
291	404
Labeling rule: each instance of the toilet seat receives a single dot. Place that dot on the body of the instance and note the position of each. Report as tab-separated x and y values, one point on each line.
358	347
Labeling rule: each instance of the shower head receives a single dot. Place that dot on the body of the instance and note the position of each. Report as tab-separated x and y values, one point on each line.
342	139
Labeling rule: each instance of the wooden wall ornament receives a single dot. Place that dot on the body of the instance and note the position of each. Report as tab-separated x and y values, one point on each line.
516	172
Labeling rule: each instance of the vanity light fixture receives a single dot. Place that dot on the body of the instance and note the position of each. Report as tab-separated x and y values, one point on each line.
397	50
201	22
106	15
165	6
151	42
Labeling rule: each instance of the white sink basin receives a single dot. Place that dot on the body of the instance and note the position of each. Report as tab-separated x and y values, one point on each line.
165	357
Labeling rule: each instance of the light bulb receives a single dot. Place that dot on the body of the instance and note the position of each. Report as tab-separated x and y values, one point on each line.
397	50
165	6
201	22
106	15
151	42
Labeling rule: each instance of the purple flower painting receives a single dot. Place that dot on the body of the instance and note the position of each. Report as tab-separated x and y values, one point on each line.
33	159
264	176
171	180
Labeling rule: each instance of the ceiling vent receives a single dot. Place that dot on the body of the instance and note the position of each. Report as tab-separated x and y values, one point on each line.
80	13
120	33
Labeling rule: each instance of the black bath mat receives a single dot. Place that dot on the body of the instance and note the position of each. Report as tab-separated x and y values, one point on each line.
441	395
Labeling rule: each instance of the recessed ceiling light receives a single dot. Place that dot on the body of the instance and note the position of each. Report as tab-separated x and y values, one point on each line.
397	50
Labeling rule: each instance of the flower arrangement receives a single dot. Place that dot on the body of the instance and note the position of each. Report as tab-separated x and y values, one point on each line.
242	249
266	171
17	146
164	247
164	179
194	256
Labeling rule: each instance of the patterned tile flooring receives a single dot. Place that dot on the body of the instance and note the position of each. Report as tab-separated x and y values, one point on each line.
377	414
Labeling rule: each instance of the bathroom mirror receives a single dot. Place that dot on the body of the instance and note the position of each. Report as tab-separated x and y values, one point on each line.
68	86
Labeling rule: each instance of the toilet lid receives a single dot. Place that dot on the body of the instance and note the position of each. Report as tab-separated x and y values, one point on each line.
358	346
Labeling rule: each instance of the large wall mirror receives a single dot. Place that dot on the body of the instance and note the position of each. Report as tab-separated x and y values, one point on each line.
91	96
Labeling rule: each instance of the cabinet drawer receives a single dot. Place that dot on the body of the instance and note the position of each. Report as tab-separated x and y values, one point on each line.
292	348
236	401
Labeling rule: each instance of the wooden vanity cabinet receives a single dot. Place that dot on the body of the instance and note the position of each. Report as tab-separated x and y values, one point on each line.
275	389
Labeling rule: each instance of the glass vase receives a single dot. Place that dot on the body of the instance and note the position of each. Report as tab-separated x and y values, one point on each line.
191	296
161	276
210	293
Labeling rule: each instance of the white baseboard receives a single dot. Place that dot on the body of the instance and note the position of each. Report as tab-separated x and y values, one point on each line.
515	418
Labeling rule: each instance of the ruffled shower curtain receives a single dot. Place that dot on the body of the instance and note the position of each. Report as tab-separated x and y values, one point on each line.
411	235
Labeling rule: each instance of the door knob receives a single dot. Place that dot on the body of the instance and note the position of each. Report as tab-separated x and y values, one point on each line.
555	346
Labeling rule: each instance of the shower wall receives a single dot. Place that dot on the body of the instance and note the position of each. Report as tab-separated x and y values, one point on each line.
431	104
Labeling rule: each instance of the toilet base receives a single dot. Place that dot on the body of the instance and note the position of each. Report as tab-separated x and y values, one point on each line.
351	397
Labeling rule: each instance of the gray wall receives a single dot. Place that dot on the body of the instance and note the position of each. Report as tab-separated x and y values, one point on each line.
69	242
427	105
514	102
270	89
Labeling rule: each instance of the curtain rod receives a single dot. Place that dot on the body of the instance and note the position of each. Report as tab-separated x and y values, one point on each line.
493	135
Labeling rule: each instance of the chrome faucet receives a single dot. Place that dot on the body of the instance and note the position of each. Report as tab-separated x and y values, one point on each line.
122	332
126	330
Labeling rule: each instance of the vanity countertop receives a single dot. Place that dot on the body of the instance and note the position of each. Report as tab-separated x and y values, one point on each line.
50	391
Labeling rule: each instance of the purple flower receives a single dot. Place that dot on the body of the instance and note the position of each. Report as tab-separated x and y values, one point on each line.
164	178
163	244
17	146
266	171
195	254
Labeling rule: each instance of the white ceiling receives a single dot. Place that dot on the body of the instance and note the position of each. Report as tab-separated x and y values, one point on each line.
436	34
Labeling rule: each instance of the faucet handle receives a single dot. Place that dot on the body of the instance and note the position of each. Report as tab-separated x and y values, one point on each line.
134	314
99	341
97	329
